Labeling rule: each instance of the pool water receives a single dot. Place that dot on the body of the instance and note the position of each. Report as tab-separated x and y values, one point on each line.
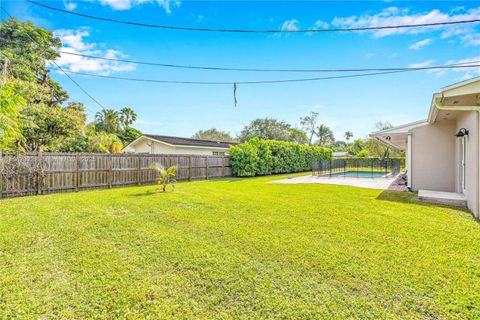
359	174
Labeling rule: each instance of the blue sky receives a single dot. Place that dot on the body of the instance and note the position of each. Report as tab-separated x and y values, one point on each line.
343	104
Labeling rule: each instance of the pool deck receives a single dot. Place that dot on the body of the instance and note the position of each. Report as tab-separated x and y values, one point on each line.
369	183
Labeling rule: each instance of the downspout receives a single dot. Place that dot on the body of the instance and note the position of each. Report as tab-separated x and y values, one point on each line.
477	184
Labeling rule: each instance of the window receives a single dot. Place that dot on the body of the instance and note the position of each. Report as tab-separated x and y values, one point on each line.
218	153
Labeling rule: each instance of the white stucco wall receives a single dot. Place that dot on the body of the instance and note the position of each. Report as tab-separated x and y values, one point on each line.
433	157
468	120
144	145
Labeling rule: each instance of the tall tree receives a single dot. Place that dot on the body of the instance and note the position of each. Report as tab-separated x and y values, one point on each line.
127	116
325	135
268	128
348	136
214	134
309	124
107	120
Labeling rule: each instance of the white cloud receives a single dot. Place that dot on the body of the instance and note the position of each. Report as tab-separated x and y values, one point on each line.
471	39
69	5
290	25
397	16
74	42
128	4
319	24
466	73
423	64
417	45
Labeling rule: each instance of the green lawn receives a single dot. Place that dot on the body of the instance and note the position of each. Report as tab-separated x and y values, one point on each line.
237	248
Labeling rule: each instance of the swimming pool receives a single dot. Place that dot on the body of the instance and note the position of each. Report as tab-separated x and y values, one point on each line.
359	174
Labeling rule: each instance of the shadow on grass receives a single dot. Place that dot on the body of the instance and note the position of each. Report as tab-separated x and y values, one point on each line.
412	198
150	193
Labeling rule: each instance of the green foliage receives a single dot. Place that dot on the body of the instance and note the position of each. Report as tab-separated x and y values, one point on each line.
362	154
10	117
244	159
214	134
262	157
103	142
128	134
325	135
165	176
267	129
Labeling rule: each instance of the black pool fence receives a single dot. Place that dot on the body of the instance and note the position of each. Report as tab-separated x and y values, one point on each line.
357	167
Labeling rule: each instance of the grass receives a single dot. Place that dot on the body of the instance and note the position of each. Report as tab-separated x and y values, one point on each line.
237	248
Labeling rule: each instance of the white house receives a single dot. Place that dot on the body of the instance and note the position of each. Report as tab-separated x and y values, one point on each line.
443	152
156	144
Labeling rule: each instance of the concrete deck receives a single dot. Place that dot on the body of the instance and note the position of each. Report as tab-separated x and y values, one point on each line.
369	183
439	197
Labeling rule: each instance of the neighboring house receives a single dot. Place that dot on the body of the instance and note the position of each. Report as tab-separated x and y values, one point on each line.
443	152
155	144
341	154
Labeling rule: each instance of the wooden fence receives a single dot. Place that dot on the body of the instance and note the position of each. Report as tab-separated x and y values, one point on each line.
43	173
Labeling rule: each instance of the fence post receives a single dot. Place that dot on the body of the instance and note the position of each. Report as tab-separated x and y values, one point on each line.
110	171
77	172
139	169
190	168
223	166
39	172
206	167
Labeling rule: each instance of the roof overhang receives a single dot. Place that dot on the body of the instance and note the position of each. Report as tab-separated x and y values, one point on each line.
131	144
463	96
397	137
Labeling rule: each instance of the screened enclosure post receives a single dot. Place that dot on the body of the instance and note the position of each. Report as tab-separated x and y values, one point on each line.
330	168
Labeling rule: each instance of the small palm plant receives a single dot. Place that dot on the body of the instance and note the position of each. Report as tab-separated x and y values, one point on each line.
165	175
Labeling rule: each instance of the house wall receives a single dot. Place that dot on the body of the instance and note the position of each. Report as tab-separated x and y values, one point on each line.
149	146
468	120
433	157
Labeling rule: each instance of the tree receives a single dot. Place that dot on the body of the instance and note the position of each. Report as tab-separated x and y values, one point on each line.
298	136
48	128
128	134
214	134
107	120
348	136
309	124
10	118
381	125
325	135
127	116
268	129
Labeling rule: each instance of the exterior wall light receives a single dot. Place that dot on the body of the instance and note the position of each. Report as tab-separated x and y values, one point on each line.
462	132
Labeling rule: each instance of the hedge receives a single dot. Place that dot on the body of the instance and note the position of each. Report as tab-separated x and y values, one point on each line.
258	157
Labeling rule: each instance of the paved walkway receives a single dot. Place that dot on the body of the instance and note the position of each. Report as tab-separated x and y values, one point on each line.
370	183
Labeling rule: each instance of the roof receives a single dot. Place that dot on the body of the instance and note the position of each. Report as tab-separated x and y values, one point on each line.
340	153
180	141
396	137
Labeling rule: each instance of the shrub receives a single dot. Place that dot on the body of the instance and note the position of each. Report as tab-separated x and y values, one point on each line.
262	157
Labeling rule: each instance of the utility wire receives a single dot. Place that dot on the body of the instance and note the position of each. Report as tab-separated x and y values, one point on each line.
141	24
257	81
58	67
262	69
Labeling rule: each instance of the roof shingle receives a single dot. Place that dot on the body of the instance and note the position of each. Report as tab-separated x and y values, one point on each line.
179	141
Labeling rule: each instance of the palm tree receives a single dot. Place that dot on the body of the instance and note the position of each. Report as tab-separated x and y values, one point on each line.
107	120
348	135
127	116
325	135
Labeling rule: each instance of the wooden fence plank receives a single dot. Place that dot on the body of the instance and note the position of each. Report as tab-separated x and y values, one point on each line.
65	172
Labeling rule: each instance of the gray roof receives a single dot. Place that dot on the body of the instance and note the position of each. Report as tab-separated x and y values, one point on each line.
179	141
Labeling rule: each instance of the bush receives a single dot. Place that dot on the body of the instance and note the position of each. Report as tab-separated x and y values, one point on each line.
262	157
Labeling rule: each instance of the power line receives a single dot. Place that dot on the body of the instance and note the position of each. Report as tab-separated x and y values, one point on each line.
60	68
262	69
258	81
149	25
